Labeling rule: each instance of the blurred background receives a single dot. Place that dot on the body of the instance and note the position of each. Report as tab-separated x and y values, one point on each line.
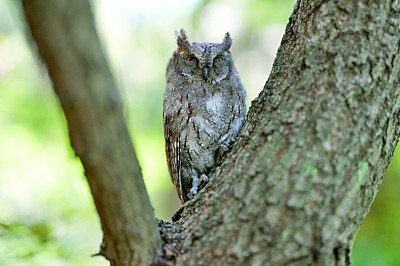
47	216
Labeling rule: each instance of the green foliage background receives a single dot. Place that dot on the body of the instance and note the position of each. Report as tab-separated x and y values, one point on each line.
47	215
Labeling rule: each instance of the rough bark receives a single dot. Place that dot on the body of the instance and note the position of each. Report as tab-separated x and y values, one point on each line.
305	169
310	158
68	44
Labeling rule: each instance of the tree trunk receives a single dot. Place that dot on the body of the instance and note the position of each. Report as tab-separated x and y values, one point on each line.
305	169
310	158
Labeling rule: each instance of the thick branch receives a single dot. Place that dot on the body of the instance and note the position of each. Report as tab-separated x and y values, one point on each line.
310	158
68	44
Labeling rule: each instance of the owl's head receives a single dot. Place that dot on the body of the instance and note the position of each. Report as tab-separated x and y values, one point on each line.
211	62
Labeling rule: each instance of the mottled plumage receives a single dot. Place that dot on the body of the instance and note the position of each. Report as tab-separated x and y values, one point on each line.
204	109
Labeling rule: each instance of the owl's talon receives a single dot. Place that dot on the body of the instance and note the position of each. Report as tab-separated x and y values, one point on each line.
194	188
203	178
190	195
193	191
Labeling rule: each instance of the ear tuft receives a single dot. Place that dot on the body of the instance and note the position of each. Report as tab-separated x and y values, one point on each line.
227	42
182	40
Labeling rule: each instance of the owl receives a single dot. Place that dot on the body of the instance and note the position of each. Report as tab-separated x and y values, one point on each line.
204	108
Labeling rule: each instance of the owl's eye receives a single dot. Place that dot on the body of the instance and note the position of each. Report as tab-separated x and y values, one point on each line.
219	58
191	58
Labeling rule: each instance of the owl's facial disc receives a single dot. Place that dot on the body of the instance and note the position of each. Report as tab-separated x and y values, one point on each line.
210	62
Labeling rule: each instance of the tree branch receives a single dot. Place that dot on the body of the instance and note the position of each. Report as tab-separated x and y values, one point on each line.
69	46
310	158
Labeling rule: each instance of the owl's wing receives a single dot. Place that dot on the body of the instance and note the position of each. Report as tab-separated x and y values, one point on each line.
173	152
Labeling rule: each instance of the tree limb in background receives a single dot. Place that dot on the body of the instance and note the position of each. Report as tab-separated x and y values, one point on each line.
67	42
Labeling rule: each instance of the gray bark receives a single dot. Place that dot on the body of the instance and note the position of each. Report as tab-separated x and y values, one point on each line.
310	158
305	169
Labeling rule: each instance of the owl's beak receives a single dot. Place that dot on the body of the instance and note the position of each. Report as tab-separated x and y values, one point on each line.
205	73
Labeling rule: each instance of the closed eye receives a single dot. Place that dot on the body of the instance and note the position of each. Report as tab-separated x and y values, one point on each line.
219	58
191	58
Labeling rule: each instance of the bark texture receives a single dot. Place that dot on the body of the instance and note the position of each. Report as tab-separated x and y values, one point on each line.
310	158
68	44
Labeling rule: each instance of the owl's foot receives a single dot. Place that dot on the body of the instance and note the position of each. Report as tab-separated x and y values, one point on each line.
190	195
195	185
204	178
193	190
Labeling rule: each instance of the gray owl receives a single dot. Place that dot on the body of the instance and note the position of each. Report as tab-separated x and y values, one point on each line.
204	109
